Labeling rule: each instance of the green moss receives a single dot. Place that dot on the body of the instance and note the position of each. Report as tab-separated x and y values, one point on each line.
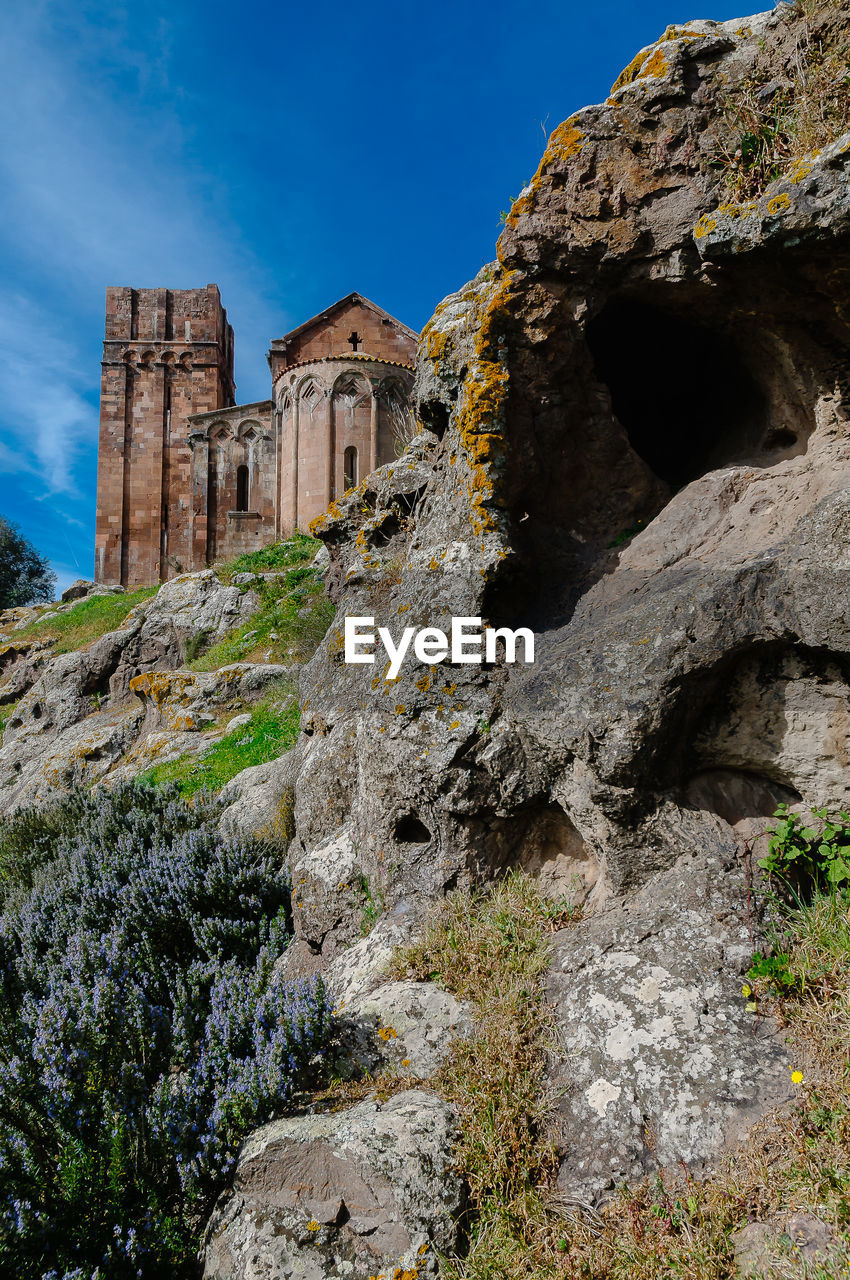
272	731
87	621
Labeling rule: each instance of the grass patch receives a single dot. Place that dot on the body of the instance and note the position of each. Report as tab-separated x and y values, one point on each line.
272	731
6	713
772	129
87	621
493	951
279	556
293	616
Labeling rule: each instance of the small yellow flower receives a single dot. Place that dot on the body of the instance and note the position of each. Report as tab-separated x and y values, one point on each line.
313	1226
796	1077
746	990
405	1062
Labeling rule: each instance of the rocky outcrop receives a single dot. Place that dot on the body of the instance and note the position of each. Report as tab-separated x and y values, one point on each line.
116	707
660	1062
406	1027
635	443
363	1192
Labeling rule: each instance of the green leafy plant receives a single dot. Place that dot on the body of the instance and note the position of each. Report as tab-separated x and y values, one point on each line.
373	906
809	855
774	971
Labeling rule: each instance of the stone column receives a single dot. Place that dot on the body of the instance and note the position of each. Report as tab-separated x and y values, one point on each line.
200	482
293	467
330	460
373	430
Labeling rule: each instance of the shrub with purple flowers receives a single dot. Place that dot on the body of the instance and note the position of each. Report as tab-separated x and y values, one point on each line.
143	1030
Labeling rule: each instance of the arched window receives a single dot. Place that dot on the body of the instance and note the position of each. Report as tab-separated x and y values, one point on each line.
350	467
242	488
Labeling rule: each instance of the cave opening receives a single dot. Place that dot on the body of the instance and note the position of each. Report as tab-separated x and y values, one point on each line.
411	830
680	390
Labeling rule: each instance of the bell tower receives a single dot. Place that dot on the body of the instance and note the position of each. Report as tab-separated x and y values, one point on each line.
167	354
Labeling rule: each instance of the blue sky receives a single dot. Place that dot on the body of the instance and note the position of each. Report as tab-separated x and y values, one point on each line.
290	152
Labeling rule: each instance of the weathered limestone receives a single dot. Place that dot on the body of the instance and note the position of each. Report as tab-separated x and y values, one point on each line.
658	1062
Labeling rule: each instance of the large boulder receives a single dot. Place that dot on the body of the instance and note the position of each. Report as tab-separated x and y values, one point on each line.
634	444
660	1060
346	1196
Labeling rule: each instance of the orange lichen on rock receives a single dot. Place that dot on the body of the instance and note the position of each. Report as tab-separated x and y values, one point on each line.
639	67
322	523
480	417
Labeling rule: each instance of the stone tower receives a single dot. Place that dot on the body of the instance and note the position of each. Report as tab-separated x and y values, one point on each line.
167	354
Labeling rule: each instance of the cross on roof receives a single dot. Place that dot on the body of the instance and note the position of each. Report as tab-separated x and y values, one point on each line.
354	339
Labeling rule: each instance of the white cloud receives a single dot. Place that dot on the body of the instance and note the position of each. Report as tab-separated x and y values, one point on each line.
95	189
47	420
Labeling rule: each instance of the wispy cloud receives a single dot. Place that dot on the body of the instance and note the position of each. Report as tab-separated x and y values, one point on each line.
100	183
48	420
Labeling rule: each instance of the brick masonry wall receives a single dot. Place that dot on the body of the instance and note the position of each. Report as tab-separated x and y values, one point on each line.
167	353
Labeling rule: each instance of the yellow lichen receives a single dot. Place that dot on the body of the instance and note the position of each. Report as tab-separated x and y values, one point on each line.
566	141
649	62
802	171
705	226
779	204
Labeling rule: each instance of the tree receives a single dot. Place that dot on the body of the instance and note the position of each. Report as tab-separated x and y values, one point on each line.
25	574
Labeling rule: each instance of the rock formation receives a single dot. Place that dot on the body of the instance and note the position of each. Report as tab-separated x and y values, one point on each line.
635	442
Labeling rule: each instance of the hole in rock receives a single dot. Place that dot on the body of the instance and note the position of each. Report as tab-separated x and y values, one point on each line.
552	850
680	390
36	711
741	799
434	415
409	830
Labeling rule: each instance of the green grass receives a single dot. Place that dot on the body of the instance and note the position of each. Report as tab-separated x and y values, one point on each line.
293	616
87	621
493	951
297	550
769	134
6	713
272	731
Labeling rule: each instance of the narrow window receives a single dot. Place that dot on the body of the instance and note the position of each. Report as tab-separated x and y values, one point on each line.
242	488
350	467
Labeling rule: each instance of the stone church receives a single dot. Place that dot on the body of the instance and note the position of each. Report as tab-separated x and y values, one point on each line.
186	476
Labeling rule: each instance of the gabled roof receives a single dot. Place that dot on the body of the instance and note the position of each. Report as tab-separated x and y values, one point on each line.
330	311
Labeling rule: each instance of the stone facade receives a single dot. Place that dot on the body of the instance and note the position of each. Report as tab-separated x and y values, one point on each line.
186	476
